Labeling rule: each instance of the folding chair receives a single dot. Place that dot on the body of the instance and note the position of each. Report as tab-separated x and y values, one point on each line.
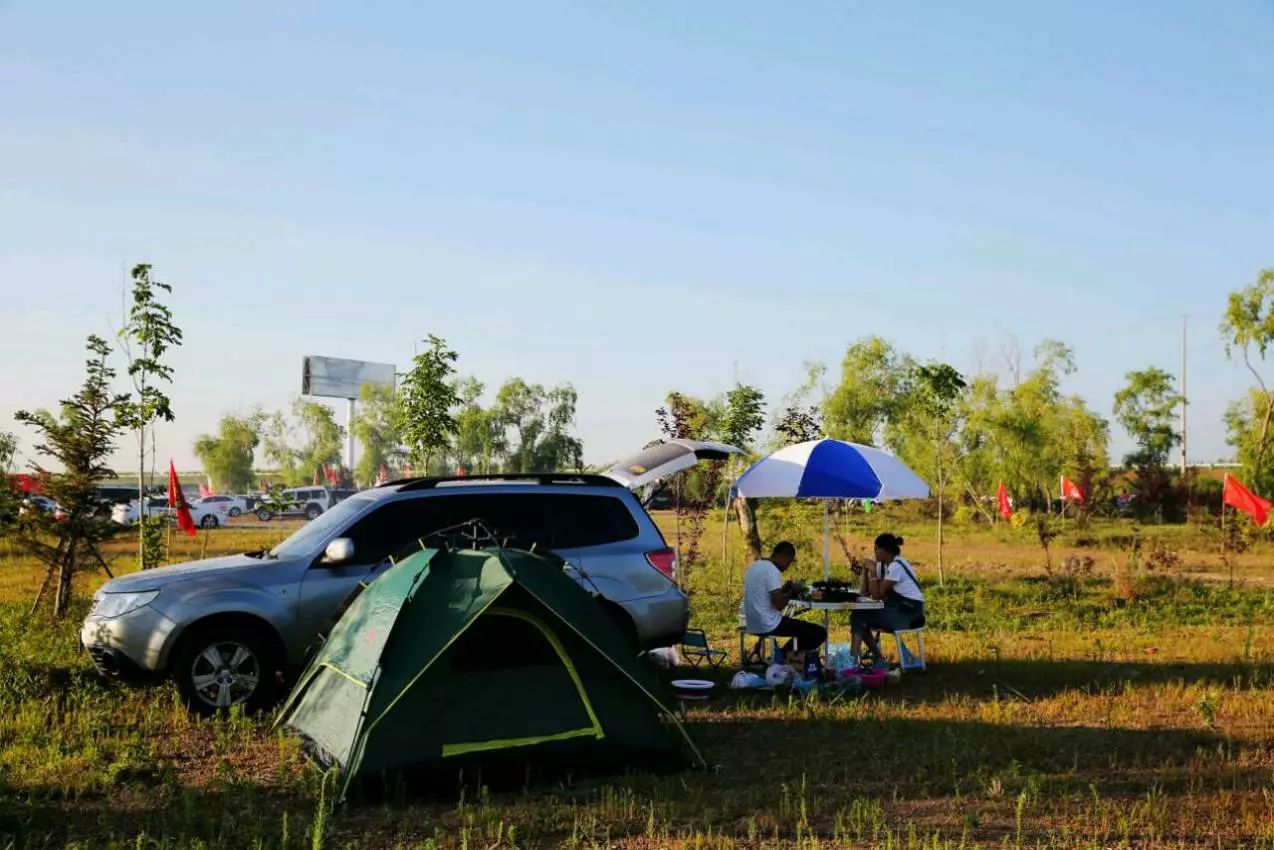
695	649
907	660
756	656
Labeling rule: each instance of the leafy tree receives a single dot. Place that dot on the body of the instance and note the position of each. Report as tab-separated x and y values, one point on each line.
425	403
873	375
227	456
276	445
80	440
480	433
1248	330
1146	407
8	498
376	428
742	415
923	427
324	437
542	420
147	335
799	425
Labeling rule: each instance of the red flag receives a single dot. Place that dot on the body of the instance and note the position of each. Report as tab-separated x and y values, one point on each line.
177	499
204	492
1240	498
1006	507
460	473
1070	491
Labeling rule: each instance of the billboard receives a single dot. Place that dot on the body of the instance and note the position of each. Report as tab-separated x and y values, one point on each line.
334	377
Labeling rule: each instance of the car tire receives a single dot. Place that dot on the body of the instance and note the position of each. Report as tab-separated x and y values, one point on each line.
264	514
209	521
312	512
234	512
247	672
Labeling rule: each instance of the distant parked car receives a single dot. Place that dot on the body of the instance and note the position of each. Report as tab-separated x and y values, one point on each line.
309	502
205	516
235	505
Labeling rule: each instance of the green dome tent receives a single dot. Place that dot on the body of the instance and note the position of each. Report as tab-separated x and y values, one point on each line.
478	654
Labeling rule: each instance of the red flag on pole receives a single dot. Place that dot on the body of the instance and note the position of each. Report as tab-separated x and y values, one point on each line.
1070	491
204	492
1240	498
177	499
1006	507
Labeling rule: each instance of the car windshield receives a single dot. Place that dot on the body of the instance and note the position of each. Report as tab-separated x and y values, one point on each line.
310	534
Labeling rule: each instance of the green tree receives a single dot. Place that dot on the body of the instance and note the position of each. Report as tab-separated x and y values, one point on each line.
923	427
80	440
873	375
1248	332
276	445
147	335
8	498
227	456
541	420
425	403
323	436
480	433
742	416
376	428
1147	408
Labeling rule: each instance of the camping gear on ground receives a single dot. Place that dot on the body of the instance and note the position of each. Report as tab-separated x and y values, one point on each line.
872	678
779	674
692	689
830	469
743	680
479	655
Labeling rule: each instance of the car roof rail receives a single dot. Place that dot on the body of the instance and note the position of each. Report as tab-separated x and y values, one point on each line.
578	478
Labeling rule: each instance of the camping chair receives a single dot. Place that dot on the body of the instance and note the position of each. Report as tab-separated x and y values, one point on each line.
695	649
907	660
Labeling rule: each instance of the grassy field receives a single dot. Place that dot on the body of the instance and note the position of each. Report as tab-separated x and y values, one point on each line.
1118	701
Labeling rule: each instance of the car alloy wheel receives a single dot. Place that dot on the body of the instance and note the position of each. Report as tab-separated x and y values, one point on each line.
209	521
234	512
224	674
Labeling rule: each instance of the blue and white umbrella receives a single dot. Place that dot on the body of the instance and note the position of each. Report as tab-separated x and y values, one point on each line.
830	469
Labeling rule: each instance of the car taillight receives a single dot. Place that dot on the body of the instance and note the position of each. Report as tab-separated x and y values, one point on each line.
664	560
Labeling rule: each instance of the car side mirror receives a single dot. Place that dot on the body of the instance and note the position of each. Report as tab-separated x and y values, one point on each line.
339	551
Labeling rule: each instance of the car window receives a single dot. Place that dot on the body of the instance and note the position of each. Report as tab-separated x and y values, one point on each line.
313	533
392	527
580	520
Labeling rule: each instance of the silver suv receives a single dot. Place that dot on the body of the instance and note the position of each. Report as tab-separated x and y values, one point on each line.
230	630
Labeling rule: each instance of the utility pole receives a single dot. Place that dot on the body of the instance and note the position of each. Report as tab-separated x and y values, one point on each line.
1184	404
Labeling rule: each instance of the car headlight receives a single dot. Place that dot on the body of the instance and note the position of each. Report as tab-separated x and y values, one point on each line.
111	605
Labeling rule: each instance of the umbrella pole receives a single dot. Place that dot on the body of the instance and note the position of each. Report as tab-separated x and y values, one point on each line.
827	555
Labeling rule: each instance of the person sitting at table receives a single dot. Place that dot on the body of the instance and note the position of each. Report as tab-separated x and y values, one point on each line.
766	594
893	581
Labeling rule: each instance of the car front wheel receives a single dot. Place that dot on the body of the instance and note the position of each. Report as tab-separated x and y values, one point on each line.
264	515
312	512
221	666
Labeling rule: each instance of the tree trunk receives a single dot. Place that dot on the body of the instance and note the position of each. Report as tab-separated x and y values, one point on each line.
745	510
942	576
65	571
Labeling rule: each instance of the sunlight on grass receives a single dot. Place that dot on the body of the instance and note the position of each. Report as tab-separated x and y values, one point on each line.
1057	712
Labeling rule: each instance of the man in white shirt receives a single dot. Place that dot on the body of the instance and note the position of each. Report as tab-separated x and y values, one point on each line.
766	594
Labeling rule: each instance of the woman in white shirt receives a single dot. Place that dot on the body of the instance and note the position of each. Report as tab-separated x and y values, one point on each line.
894	582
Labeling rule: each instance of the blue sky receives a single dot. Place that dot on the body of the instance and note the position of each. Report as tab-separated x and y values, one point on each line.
633	198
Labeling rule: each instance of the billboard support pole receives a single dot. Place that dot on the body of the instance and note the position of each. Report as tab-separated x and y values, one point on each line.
349	436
